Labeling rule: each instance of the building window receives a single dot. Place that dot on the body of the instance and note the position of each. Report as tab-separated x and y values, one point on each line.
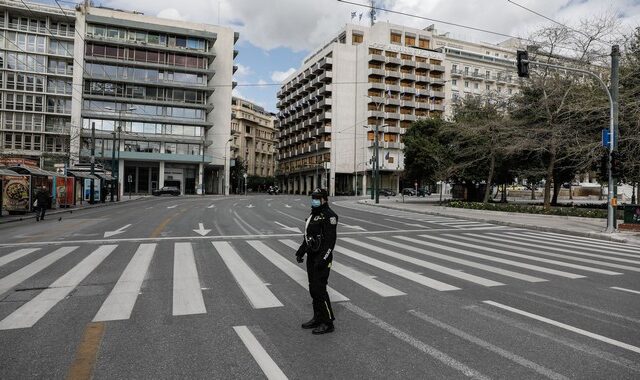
409	40
423	43
454	82
396	38
356	38
488	87
466	84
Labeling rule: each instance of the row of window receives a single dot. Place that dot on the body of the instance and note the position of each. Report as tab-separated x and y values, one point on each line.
33	142
152	38
144	75
35	83
145	109
18	121
143	55
26	62
408	57
143	146
144	92
39	26
476	86
147	128
27	42
477	73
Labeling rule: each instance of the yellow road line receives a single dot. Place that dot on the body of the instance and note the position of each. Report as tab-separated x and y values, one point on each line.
87	353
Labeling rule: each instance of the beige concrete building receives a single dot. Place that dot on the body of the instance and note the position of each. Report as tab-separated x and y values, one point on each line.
253	137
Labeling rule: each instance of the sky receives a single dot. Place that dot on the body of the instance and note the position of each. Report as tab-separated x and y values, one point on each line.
276	35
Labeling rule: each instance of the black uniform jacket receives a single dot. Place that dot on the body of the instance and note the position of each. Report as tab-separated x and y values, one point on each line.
320	234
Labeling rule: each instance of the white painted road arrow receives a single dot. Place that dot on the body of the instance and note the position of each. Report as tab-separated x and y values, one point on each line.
250	206
174	206
287	206
212	206
201	230
116	232
292	229
354	227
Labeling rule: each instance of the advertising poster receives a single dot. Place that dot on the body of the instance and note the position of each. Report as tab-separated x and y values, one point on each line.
15	193
96	189
64	191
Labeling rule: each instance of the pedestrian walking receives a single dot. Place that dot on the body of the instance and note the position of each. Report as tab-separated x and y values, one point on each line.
318	243
41	203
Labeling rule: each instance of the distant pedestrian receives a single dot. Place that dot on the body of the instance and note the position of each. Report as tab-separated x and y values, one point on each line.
319	240
41	203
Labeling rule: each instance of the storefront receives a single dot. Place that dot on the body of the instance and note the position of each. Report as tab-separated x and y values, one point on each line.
38	179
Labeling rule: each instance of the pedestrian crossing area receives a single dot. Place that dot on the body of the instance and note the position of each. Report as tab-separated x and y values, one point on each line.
408	219
260	270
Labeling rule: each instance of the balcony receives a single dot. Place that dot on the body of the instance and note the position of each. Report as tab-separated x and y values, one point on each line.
391	130
392	87
436	107
437	81
408	76
423	65
392	101
393	74
378	72
422	79
376	114
393	60
407	117
456	73
408	103
408	63
408	90
436	94
392	115
437	68
376	58
376	86
392	145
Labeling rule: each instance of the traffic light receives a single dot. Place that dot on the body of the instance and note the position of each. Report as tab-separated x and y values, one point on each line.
616	165
523	63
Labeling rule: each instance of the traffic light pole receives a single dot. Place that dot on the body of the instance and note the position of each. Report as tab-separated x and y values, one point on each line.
612	93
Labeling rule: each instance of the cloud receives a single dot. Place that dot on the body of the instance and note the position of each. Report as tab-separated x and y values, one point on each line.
172	14
262	82
280	76
243	71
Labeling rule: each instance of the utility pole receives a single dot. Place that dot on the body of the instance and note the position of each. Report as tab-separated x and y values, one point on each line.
613	144
376	168
113	160
93	161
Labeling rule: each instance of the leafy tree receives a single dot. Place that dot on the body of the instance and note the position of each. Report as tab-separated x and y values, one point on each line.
426	152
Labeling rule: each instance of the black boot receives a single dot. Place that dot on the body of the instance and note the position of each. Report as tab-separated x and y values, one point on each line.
323	328
311	324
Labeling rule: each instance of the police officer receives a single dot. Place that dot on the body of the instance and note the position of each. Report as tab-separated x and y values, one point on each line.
319	241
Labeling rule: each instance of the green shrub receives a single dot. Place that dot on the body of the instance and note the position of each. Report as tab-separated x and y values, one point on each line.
533	209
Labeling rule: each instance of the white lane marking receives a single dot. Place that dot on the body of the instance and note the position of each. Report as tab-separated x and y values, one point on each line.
431	351
250	206
473	264
425	264
408	224
587	245
594	309
491	258
359	277
268	366
24	273
354	227
287	206
541	251
187	292
488	346
6	259
255	230
608	243
201	231
553	336
252	286
625	290
292	229
174	206
566	327
369	222
116	232
418	278
211	206
519	255
290	269
31	312
119	304
548	246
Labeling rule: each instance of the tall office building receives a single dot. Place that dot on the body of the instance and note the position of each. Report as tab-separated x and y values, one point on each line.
36	81
385	75
254	137
157	92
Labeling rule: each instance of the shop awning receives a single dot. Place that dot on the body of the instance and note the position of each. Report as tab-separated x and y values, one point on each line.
104	176
81	174
7	172
33	171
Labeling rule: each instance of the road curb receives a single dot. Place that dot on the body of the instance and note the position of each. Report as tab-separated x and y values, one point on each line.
32	215
591	234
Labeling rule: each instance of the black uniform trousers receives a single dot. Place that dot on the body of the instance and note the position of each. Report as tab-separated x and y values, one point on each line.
318	273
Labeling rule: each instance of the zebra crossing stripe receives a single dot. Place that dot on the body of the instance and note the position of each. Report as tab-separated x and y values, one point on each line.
491	258
359	277
435	267
20	275
625	290
566	327
119	304
607	243
473	264
187	293
6	259
526	257
252	286
418	278
28	314
268	366
542	250
587	245
290	269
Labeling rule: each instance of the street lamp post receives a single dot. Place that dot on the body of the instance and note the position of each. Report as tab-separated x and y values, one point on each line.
225	185
375	169
115	170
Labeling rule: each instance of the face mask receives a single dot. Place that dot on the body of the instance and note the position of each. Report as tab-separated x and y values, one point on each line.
315	203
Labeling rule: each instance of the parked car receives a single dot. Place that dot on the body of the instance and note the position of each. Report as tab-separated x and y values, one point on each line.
167	190
423	192
387	192
408	191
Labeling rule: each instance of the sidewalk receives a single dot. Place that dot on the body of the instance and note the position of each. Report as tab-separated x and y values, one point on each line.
586	227
6	218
